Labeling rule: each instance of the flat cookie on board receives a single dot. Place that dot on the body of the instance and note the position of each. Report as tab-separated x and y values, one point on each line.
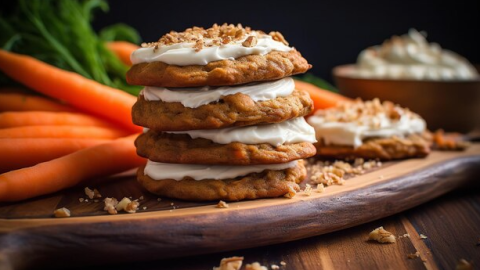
412	146
233	110
181	148
267	184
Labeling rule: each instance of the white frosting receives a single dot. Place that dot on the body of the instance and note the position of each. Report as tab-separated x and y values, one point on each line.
183	54
411	57
196	97
161	171
292	131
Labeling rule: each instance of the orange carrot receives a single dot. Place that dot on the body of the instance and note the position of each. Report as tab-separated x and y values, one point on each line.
322	99
87	95
24	102
67	171
38	118
123	50
20	153
62	132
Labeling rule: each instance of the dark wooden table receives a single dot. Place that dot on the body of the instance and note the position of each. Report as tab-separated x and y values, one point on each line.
451	224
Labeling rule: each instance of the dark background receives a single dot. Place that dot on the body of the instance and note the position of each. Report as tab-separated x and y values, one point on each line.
326	33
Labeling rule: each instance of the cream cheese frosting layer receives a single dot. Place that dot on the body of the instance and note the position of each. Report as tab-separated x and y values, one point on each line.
162	171
184	54
196	97
292	131
411	57
356	122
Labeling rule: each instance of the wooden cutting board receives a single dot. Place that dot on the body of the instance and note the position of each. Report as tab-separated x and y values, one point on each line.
29	235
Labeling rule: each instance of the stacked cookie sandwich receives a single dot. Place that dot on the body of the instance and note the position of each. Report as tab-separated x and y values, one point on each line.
222	119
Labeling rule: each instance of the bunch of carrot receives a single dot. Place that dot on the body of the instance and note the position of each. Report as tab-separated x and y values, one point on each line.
76	130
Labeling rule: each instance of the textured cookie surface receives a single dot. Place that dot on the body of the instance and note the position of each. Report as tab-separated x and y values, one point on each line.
380	148
232	110
181	148
245	69
266	184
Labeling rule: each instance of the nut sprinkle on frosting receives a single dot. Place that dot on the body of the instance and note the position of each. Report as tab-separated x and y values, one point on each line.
215	36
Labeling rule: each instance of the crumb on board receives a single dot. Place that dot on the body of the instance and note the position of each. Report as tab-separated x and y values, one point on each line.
406	235
308	190
274	267
222	204
414	255
282	263
81	199
255	266
463	264
320	188
144	208
232	263
381	236
92	193
141	198
61	213
110	205
159	199
423	236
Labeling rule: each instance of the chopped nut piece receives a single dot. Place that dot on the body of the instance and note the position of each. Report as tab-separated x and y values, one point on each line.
404	236
274	267
144	208
414	255
62	212
320	188
381	235
92	193
123	203
308	190
277	36
222	204
81	199
283	263
423	236
131	207
110	205
463	264
232	263
291	193
141	198
255	266
251	41
86	200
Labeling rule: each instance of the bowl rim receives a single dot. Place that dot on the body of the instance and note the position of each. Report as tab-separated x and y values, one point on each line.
339	72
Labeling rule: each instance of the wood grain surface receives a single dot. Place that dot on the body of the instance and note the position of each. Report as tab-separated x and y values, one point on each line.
30	236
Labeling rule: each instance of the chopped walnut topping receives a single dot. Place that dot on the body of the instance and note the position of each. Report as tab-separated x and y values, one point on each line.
463	264
308	190
62	212
214	36
232	263
251	41
222	204
277	36
381	235
274	267
414	255
132	207
423	236
291	193
255	266
110	205
92	193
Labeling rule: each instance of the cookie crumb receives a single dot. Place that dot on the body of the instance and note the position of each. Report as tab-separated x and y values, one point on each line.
222	204
463	264
308	190
232	263
381	236
62	213
423	236
320	188
414	255
255	266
